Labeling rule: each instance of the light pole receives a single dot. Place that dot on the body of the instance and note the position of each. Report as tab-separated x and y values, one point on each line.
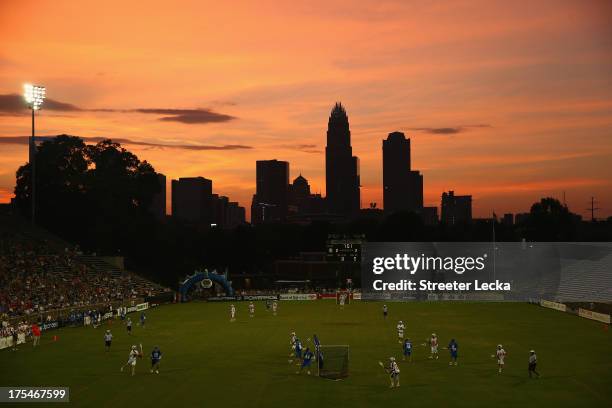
34	96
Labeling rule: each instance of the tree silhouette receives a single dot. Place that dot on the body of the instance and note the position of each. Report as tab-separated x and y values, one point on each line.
97	195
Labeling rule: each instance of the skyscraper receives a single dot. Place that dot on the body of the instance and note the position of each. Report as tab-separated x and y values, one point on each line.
402	187
158	204
192	200
272	190
456	209
341	167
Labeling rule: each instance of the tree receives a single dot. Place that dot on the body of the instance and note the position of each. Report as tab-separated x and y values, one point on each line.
97	195
549	220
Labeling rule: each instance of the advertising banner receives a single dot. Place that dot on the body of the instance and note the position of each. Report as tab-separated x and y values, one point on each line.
49	325
223	298
588	314
260	297
298	296
142	306
485	271
553	305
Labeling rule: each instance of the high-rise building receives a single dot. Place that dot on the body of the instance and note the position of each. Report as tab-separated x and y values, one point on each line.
341	167
158	204
192	200
456	209
402	187
272	190
236	215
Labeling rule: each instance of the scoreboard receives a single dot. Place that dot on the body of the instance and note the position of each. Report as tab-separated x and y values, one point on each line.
344	248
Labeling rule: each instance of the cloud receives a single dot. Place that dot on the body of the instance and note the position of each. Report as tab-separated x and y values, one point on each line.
306	148
448	130
25	139
13	104
189	116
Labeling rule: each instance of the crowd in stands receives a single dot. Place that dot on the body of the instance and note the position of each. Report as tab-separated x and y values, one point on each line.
36	278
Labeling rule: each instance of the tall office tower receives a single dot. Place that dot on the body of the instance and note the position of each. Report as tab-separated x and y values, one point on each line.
158	204
341	167
402	187
272	190
456	209
192	200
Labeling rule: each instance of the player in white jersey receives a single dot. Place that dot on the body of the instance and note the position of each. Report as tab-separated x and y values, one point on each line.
251	309
400	331
394	373
500	353
274	308
232	313
134	354
292	339
433	344
342	297
108	338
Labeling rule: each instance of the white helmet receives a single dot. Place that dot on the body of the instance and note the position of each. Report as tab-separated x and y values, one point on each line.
499	346
433	335
391	358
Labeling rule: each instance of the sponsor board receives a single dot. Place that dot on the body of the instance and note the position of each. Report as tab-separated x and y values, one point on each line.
260	297
142	306
357	296
589	314
49	325
553	305
298	296
223	298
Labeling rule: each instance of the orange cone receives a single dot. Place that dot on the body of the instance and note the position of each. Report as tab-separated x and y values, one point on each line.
54	338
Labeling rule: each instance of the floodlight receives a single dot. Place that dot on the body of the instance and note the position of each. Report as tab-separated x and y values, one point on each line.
34	95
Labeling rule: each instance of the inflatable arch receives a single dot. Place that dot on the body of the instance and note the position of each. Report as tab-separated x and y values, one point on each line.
200	276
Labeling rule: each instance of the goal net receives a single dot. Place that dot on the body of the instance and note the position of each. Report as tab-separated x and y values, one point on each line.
333	362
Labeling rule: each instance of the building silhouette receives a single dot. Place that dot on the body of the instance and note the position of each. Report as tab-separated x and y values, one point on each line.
302	203
402	186
456	209
226	213
341	167
158	203
270	201
192	200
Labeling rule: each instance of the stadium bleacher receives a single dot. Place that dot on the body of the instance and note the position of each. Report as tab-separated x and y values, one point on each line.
40	273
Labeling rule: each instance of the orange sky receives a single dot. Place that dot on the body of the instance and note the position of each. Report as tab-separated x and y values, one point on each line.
536	77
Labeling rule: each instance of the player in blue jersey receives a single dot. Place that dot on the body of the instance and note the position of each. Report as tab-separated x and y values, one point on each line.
297	350
156	356
143	318
453	348
317	344
407	350
306	360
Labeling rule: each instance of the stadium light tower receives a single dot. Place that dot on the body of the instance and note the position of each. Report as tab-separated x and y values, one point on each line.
34	96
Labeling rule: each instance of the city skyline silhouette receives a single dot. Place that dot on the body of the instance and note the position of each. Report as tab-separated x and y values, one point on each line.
506	103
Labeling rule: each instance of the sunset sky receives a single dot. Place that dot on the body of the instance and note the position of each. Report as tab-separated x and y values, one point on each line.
506	101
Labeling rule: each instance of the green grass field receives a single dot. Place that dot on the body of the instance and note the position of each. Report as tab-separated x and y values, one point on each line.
209	361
